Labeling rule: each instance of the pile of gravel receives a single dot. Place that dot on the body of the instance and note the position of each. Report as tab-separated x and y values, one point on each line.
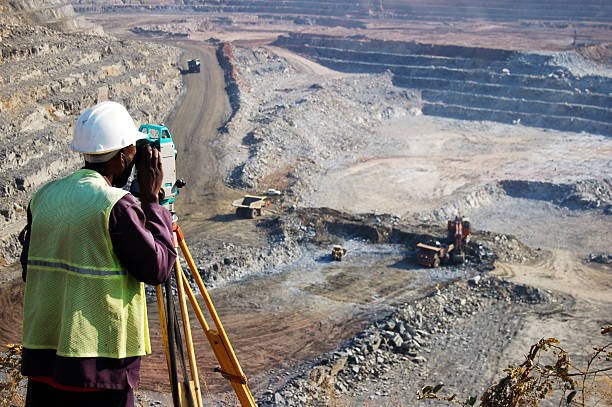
407	336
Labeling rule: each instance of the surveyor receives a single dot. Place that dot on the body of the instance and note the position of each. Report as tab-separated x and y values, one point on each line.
88	247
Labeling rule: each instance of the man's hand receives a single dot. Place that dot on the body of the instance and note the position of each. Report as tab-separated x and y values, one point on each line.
150	173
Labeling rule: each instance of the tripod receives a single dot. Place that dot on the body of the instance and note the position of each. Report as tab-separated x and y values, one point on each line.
188	392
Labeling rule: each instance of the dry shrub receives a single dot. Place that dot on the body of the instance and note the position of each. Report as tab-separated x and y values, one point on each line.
547	368
532	381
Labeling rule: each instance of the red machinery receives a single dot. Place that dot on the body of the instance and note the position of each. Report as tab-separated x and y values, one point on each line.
458	237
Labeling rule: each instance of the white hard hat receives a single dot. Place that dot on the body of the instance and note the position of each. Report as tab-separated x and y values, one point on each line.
104	128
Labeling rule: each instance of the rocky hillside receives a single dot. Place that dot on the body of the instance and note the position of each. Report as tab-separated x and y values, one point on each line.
47	78
56	14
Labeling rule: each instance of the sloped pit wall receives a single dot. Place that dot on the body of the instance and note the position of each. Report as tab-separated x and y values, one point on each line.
472	83
582	195
560	11
288	7
360	43
225	57
550	11
55	14
46	79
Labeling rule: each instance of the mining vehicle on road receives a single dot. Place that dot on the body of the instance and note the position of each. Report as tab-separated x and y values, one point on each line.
193	65
338	252
250	206
436	253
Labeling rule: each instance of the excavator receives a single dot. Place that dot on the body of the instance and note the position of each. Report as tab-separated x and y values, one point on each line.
458	237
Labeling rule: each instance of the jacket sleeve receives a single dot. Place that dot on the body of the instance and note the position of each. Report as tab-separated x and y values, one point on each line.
142	239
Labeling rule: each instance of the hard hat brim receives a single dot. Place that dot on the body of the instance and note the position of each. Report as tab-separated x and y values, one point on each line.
127	140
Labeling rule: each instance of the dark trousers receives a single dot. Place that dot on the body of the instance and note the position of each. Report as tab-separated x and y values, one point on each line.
41	394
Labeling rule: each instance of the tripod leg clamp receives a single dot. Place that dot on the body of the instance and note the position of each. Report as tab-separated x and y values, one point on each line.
231	377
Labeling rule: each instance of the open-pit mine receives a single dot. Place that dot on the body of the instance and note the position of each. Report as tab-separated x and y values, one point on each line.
370	123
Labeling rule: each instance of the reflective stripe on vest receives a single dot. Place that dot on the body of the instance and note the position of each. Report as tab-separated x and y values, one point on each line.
79	299
68	267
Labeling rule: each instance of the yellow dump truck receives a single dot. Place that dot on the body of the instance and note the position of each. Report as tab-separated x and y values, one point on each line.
250	206
338	252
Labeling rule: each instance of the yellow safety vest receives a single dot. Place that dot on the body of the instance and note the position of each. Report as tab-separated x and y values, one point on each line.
79	299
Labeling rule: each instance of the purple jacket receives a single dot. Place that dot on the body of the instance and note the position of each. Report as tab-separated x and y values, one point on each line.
142	239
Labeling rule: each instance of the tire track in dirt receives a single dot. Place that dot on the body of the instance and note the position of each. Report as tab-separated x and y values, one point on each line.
565	272
262	342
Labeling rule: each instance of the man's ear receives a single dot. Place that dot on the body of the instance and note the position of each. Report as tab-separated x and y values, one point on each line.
122	159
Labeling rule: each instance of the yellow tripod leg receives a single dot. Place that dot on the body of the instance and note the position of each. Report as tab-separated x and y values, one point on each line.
162	321
239	384
187	329
230	367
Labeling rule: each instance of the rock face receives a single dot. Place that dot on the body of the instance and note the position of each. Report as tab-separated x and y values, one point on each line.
583	195
56	14
47	78
472	83
586	194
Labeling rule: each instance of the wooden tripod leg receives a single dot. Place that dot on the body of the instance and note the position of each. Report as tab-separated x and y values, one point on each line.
230	367
162	322
239	383
172	344
187	329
